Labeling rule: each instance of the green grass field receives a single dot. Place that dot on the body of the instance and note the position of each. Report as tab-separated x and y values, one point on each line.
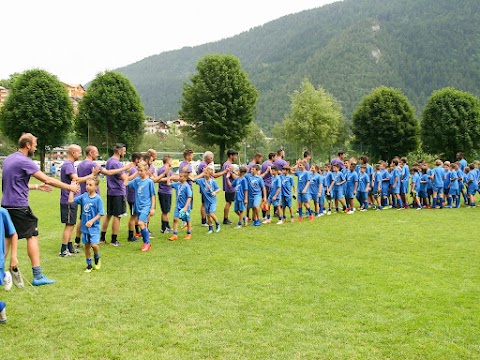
374	285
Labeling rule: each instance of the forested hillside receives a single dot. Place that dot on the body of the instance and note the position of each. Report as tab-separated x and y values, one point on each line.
346	47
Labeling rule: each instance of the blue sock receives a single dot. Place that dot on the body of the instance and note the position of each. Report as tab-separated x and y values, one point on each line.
309	211
449	201
400	203
210	227
96	257
189	232
145	236
268	217
175	233
217	224
89	262
394	202
37	272
300	212
365	205
239	223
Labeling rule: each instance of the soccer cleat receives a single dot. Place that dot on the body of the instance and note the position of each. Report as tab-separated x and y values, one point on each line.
3	312
77	245
165	231
116	243
210	232
218	229
205	225
350	212
299	219
292	220
227	222
363	210
146	247
132	239
188	237
42	281
65	253
311	217
279	222
7	279
88	269
173	238
73	251
17	278
267	221
238	227
257	223
98	265
329	212
138	235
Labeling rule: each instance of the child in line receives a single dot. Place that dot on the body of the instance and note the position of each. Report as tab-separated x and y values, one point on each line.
241	195
437	177
415	187
303	196
288	189
397	183
424	179
336	187
92	211
377	186
275	196
256	192
144	205
315	188
352	186
363	187
209	189
182	205
453	189
471	184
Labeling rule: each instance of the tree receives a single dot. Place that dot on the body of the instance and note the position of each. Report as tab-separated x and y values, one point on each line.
219	103
111	112
255	141
38	103
384	124
314	120
451	123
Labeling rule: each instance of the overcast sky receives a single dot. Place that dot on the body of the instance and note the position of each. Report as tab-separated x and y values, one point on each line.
76	40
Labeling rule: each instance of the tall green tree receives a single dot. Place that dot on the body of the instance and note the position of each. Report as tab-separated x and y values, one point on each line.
315	119
451	123
384	124
219	102
38	103
111	112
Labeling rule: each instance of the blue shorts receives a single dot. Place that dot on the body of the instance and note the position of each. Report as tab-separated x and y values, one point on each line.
404	188
422	194
437	190
453	191
93	239
349	195
304	198
385	191
471	191
254	202
275	202
287	202
362	196
239	206
337	193
210	208
2	276
396	190
143	216
315	197
177	216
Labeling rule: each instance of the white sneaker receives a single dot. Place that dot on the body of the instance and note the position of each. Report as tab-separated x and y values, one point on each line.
350	212
238	227
17	278
329	212
363	210
7	279
324	212
210	232
280	222
205	225
267	221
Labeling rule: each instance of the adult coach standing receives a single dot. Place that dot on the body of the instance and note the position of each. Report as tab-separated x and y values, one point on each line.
116	195
17	170
229	190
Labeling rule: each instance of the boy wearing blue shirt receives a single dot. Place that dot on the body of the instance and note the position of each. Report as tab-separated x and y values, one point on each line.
377	186
256	193
241	196
303	196
275	196
437	177
404	178
91	205
144	205
415	187
424	180
471	184
327	181
352	186
209	190
396	175
315	188
288	189
454	190
336	187
182	205
363	187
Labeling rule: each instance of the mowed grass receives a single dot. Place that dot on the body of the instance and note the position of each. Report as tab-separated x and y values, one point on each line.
374	285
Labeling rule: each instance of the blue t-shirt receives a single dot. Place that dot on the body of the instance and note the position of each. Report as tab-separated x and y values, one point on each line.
339	177
240	185
255	185
287	185
377	180
460	175
453	179
424	182
396	175
473	185
207	188
385	180
416	181
303	179
363	181
91	207
438	175
184	191
369	172
352	178
314	187
276	184
7	230
405	174
144	190
463	164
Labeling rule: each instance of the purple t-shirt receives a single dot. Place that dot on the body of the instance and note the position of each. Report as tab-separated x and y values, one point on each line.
226	188
163	188
280	163
339	162
185	166
115	185
200	168
16	172
267	179
85	169
131	190
67	169
250	165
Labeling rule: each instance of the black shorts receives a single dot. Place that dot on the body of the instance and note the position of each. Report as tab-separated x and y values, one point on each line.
68	213
24	221
165	202
130	207
116	205
229	197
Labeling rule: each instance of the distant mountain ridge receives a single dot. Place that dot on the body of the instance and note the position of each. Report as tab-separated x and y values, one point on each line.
346	47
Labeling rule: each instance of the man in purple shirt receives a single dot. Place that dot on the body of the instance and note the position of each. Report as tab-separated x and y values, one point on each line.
229	190
339	160
267	176
279	162
257	159
116	193
17	170
132	173
84	169
68	211
165	191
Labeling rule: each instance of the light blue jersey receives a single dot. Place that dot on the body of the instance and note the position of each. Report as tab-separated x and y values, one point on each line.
91	207
240	185
144	190
207	188
184	191
287	185
303	179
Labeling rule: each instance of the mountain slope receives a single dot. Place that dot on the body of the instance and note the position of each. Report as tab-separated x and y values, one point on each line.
346	47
